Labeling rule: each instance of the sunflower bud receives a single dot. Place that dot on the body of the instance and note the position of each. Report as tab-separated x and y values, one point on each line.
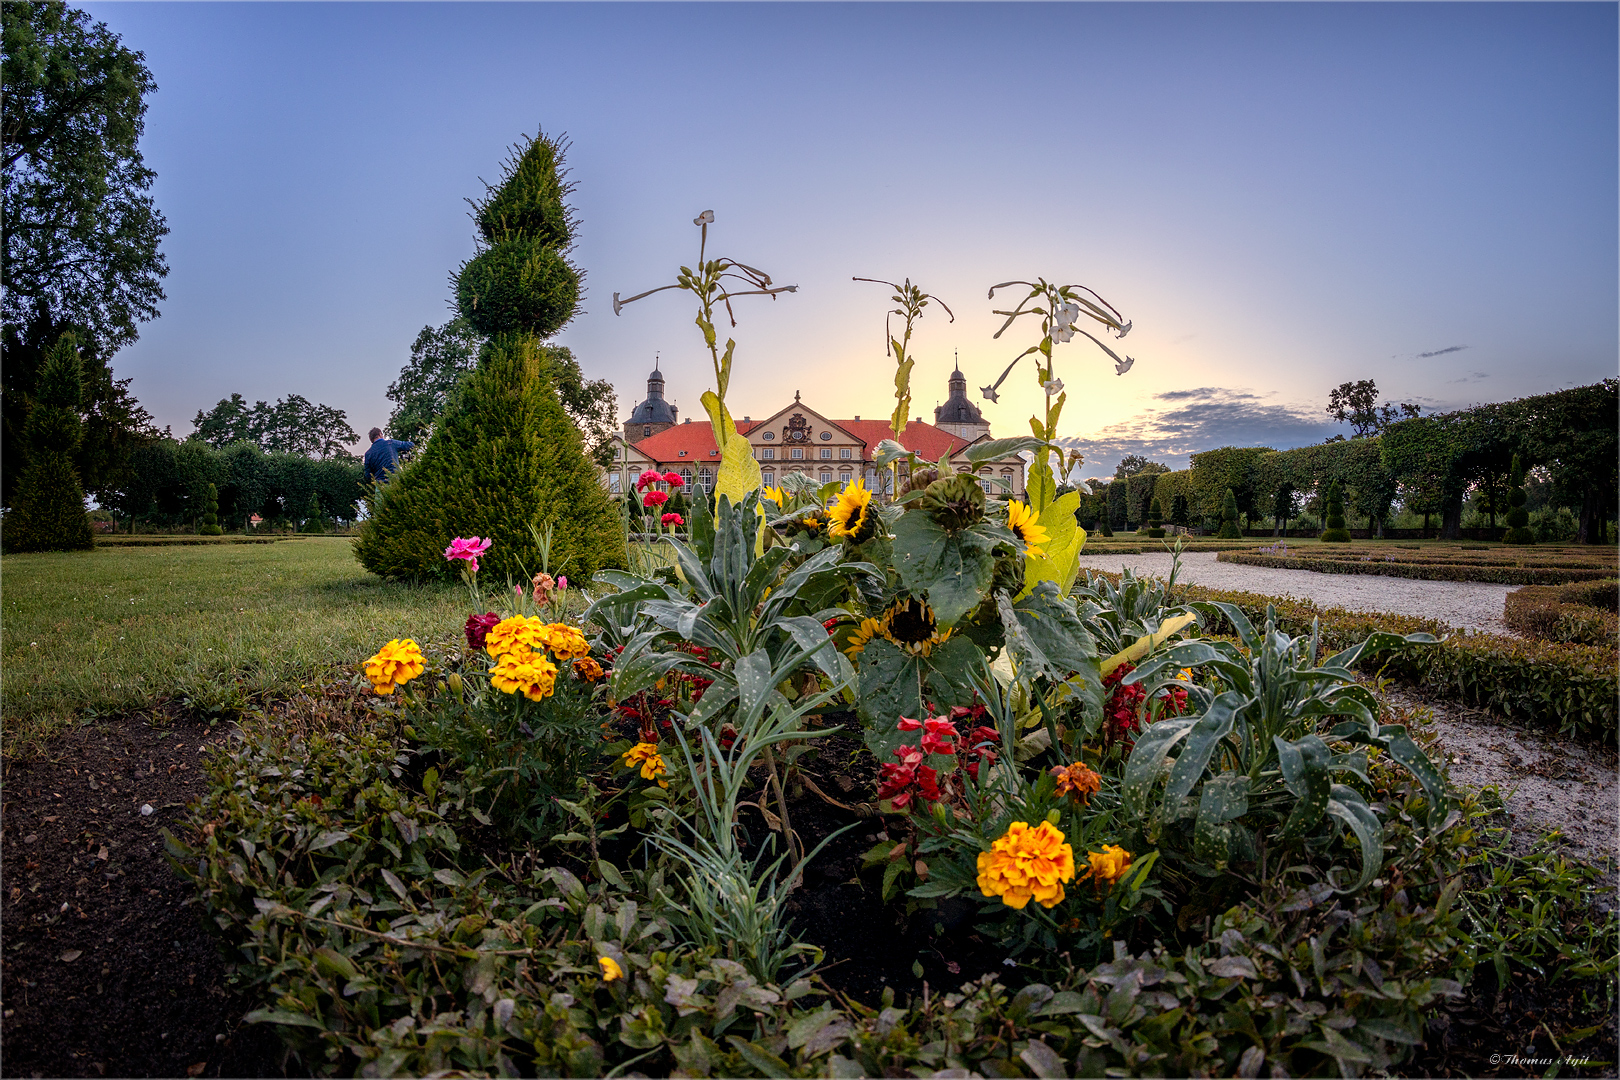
955	503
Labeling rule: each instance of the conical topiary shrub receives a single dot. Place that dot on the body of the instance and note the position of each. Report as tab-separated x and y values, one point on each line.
505	456
1179	512
47	511
314	519
1155	521
1229	518
1518	519
1335	533
209	525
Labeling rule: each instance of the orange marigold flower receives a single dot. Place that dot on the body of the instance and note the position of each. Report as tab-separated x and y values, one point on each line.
1077	780
1027	864
526	673
565	642
517	634
651	761
1107	865
610	968
395	664
589	669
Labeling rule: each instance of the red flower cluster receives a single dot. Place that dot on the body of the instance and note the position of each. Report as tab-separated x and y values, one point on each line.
478	628
900	783
1123	712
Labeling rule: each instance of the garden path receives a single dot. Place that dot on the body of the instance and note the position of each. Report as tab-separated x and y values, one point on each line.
1469	604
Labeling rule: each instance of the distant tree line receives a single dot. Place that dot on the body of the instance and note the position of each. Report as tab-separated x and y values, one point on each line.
170	480
1428	464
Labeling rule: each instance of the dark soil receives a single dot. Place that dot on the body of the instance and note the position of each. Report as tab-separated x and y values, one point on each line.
872	946
107	968
1483	1033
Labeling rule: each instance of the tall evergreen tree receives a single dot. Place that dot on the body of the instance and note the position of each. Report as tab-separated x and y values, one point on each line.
505	456
1229	518
48	508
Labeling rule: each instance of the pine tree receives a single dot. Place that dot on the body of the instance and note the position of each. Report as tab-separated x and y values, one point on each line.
48	511
1335	533
1155	520
1518	519
209	526
505	456
1229	518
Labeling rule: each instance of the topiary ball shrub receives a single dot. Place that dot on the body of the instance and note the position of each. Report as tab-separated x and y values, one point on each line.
1155	521
210	517
518	286
1335	533
1518	519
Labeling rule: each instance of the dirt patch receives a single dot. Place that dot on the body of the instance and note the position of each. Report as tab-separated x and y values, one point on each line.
107	969
1548	783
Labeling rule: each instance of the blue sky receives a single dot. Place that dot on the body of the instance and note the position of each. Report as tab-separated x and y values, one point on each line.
1281	197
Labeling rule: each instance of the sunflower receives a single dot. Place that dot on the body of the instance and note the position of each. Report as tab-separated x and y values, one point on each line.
851	513
910	624
1021	520
775	495
869	629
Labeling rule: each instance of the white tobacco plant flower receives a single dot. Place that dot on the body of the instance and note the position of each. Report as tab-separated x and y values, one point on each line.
1122	366
1054	386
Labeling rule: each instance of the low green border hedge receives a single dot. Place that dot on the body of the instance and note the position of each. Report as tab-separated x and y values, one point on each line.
1500	575
1565	613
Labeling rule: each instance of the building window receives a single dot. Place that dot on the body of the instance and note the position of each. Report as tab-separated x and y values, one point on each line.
769	435
646	430
686	475
767	453
845	477
826	453
768	477
826	476
826	436
845	453
798	453
615	479
988	485
706	480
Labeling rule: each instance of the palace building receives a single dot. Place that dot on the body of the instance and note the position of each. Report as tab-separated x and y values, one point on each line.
797	438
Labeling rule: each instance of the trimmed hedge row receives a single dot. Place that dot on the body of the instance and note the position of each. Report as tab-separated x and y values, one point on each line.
1582	613
1571	688
1500	575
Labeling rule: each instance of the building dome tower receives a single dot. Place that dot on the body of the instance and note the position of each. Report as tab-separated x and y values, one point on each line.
958	415
652	415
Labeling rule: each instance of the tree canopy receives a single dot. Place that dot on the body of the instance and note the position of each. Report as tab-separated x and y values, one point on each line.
293	425
79	232
1356	404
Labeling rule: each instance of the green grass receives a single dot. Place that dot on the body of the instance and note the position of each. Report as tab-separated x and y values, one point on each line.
214	627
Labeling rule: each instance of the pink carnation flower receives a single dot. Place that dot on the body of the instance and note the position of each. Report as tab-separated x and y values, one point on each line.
467	548
654	498
673	479
673	519
648	478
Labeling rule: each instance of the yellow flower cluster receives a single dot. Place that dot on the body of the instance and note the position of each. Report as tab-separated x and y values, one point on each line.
651	761
1027	864
519	645
526	673
395	664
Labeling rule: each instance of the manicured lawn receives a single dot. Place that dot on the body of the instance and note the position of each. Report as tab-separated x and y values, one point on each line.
215	626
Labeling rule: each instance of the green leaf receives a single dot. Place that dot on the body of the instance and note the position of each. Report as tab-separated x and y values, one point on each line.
996	449
954	570
760	1058
1348	806
1146	762
1202	740
283	1016
1304	766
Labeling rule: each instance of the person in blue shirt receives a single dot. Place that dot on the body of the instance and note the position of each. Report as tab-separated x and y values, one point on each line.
383	457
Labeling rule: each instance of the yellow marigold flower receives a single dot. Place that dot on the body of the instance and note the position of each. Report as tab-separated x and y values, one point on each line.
395	664
651	761
1021	520
1107	865
869	629
852	514
526	673
565	642
517	634
1027	864
588	669
1077	780
610	968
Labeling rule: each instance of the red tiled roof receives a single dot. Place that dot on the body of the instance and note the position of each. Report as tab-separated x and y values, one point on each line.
697	439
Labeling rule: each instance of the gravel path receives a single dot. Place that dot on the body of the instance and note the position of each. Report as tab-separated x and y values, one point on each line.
1473	605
